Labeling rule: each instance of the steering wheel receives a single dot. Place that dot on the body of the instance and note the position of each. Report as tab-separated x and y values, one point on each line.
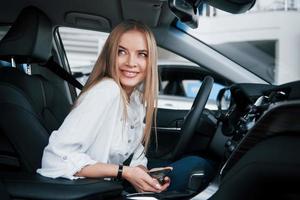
192	118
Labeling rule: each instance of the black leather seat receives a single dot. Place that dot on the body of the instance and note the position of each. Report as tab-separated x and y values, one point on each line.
3	193
31	107
174	87
270	170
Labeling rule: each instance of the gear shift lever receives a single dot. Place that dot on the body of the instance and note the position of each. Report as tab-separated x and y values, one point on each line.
197	181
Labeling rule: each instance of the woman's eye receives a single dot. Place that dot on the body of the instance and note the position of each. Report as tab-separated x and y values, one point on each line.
144	54
121	52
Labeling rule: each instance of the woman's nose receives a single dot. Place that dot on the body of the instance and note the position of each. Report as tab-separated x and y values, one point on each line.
131	61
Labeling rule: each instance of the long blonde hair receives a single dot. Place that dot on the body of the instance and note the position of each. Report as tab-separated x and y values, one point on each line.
106	66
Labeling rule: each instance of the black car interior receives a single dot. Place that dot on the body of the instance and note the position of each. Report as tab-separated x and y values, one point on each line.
262	152
33	107
259	158
34	98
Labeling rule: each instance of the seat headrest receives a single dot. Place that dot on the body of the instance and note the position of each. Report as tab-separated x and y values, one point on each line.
29	39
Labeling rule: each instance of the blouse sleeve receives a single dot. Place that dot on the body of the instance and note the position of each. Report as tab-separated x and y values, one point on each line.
139	157
66	152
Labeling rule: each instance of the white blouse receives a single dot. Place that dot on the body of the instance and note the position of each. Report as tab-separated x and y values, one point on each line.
96	131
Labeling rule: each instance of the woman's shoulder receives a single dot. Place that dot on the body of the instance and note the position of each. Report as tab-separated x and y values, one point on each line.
107	85
106	88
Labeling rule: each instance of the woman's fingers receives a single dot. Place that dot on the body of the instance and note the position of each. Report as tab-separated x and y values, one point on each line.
166	184
148	184
143	182
152	186
159	187
167	179
152	182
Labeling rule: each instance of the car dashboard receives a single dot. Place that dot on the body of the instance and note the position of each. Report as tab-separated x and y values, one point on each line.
257	111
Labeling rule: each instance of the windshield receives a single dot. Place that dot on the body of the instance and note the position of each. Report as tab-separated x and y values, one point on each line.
262	40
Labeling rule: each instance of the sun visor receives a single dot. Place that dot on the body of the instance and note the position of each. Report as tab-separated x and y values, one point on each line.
144	11
29	39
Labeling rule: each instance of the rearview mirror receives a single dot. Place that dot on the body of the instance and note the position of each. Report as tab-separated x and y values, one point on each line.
185	11
232	6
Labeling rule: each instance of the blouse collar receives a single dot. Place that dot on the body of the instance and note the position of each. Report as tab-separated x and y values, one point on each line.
135	97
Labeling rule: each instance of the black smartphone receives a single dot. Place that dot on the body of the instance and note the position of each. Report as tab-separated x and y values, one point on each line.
160	173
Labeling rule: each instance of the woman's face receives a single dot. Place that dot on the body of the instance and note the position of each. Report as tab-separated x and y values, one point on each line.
132	59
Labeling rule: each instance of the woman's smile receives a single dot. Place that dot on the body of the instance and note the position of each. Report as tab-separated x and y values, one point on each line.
128	73
132	59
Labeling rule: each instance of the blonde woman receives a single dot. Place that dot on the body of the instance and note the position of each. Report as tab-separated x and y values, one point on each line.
106	124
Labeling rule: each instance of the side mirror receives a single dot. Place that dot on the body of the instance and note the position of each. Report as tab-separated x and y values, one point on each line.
224	99
185	11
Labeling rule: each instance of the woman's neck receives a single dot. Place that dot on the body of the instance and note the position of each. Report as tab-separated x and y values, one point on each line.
128	92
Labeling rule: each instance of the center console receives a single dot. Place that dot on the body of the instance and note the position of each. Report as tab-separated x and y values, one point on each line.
272	113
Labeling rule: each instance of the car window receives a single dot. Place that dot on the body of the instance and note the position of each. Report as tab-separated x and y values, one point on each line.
82	48
3	31
191	88
180	92
176	92
261	40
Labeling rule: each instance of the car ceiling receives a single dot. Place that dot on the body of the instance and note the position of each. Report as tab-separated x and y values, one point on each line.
93	13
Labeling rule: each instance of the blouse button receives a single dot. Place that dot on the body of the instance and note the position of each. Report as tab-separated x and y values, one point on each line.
132	127
65	158
126	154
129	141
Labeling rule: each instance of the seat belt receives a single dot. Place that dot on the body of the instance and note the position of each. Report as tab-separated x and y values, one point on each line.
62	73
128	160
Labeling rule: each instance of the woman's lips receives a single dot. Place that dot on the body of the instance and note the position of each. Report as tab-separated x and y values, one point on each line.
129	74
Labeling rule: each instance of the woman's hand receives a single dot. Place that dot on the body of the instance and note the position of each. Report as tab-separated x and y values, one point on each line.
166	184
142	181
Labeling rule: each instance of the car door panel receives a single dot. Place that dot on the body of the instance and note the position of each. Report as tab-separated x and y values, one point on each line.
170	118
169	131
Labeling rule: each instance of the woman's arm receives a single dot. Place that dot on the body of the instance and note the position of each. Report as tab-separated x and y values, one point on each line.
98	170
137	176
66	152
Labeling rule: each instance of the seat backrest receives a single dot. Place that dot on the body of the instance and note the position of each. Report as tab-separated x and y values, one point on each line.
3	193
174	88
31	107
